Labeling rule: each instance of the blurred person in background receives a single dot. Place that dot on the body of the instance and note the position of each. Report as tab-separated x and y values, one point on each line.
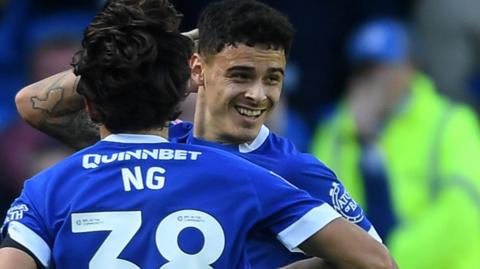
407	154
450	32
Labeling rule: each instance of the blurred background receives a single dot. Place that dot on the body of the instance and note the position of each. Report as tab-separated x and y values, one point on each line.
386	92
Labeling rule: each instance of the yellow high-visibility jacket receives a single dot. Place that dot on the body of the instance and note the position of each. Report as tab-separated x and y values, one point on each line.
432	158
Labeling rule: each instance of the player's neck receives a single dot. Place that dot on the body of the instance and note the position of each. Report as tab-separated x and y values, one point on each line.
104	132
208	133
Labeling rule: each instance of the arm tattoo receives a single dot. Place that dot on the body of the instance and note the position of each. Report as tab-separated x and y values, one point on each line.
54	103
63	114
54	95
75	130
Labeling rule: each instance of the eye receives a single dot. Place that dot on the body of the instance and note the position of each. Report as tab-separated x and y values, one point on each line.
240	76
273	79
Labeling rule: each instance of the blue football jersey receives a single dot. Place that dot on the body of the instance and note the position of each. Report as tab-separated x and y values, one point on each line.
303	170
134	201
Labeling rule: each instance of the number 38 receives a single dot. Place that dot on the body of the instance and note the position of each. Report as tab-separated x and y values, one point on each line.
125	224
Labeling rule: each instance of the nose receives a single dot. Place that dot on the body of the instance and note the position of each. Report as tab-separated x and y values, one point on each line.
256	92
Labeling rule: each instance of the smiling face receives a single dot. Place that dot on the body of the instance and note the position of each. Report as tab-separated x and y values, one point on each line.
242	85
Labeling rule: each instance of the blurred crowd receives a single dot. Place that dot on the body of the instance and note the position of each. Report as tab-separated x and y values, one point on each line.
386	92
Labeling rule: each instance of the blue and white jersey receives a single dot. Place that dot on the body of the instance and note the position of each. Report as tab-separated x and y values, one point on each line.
131	201
303	170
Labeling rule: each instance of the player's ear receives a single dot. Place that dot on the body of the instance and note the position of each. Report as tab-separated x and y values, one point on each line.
196	78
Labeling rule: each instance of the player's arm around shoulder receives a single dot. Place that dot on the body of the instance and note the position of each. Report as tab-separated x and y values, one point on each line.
53	106
301	221
321	183
346	246
362	246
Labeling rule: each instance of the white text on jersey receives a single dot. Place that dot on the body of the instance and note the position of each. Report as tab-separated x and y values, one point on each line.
94	160
153	180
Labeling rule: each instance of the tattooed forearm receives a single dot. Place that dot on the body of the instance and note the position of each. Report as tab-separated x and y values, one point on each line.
50	102
75	130
58	110
58	98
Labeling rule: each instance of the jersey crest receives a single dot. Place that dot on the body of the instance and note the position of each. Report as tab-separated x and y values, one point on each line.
344	204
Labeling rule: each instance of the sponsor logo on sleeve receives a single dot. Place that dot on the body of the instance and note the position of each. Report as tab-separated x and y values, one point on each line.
16	212
345	205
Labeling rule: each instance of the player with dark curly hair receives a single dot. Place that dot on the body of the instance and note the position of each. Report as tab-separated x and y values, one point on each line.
133	79
133	200
252	23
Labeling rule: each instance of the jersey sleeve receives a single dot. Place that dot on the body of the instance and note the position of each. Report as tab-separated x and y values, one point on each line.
321	182
290	213
24	225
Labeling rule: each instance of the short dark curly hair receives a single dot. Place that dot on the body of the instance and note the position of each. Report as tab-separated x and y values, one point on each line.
249	22
134	65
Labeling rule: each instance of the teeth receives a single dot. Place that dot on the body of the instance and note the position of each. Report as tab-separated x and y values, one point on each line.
249	112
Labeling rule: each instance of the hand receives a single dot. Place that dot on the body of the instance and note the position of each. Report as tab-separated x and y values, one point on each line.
194	36
192	86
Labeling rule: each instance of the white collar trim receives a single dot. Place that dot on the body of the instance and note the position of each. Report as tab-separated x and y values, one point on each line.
135	138
257	142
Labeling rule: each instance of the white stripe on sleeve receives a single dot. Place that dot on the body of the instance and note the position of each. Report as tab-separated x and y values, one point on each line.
373	233
307	225
32	241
